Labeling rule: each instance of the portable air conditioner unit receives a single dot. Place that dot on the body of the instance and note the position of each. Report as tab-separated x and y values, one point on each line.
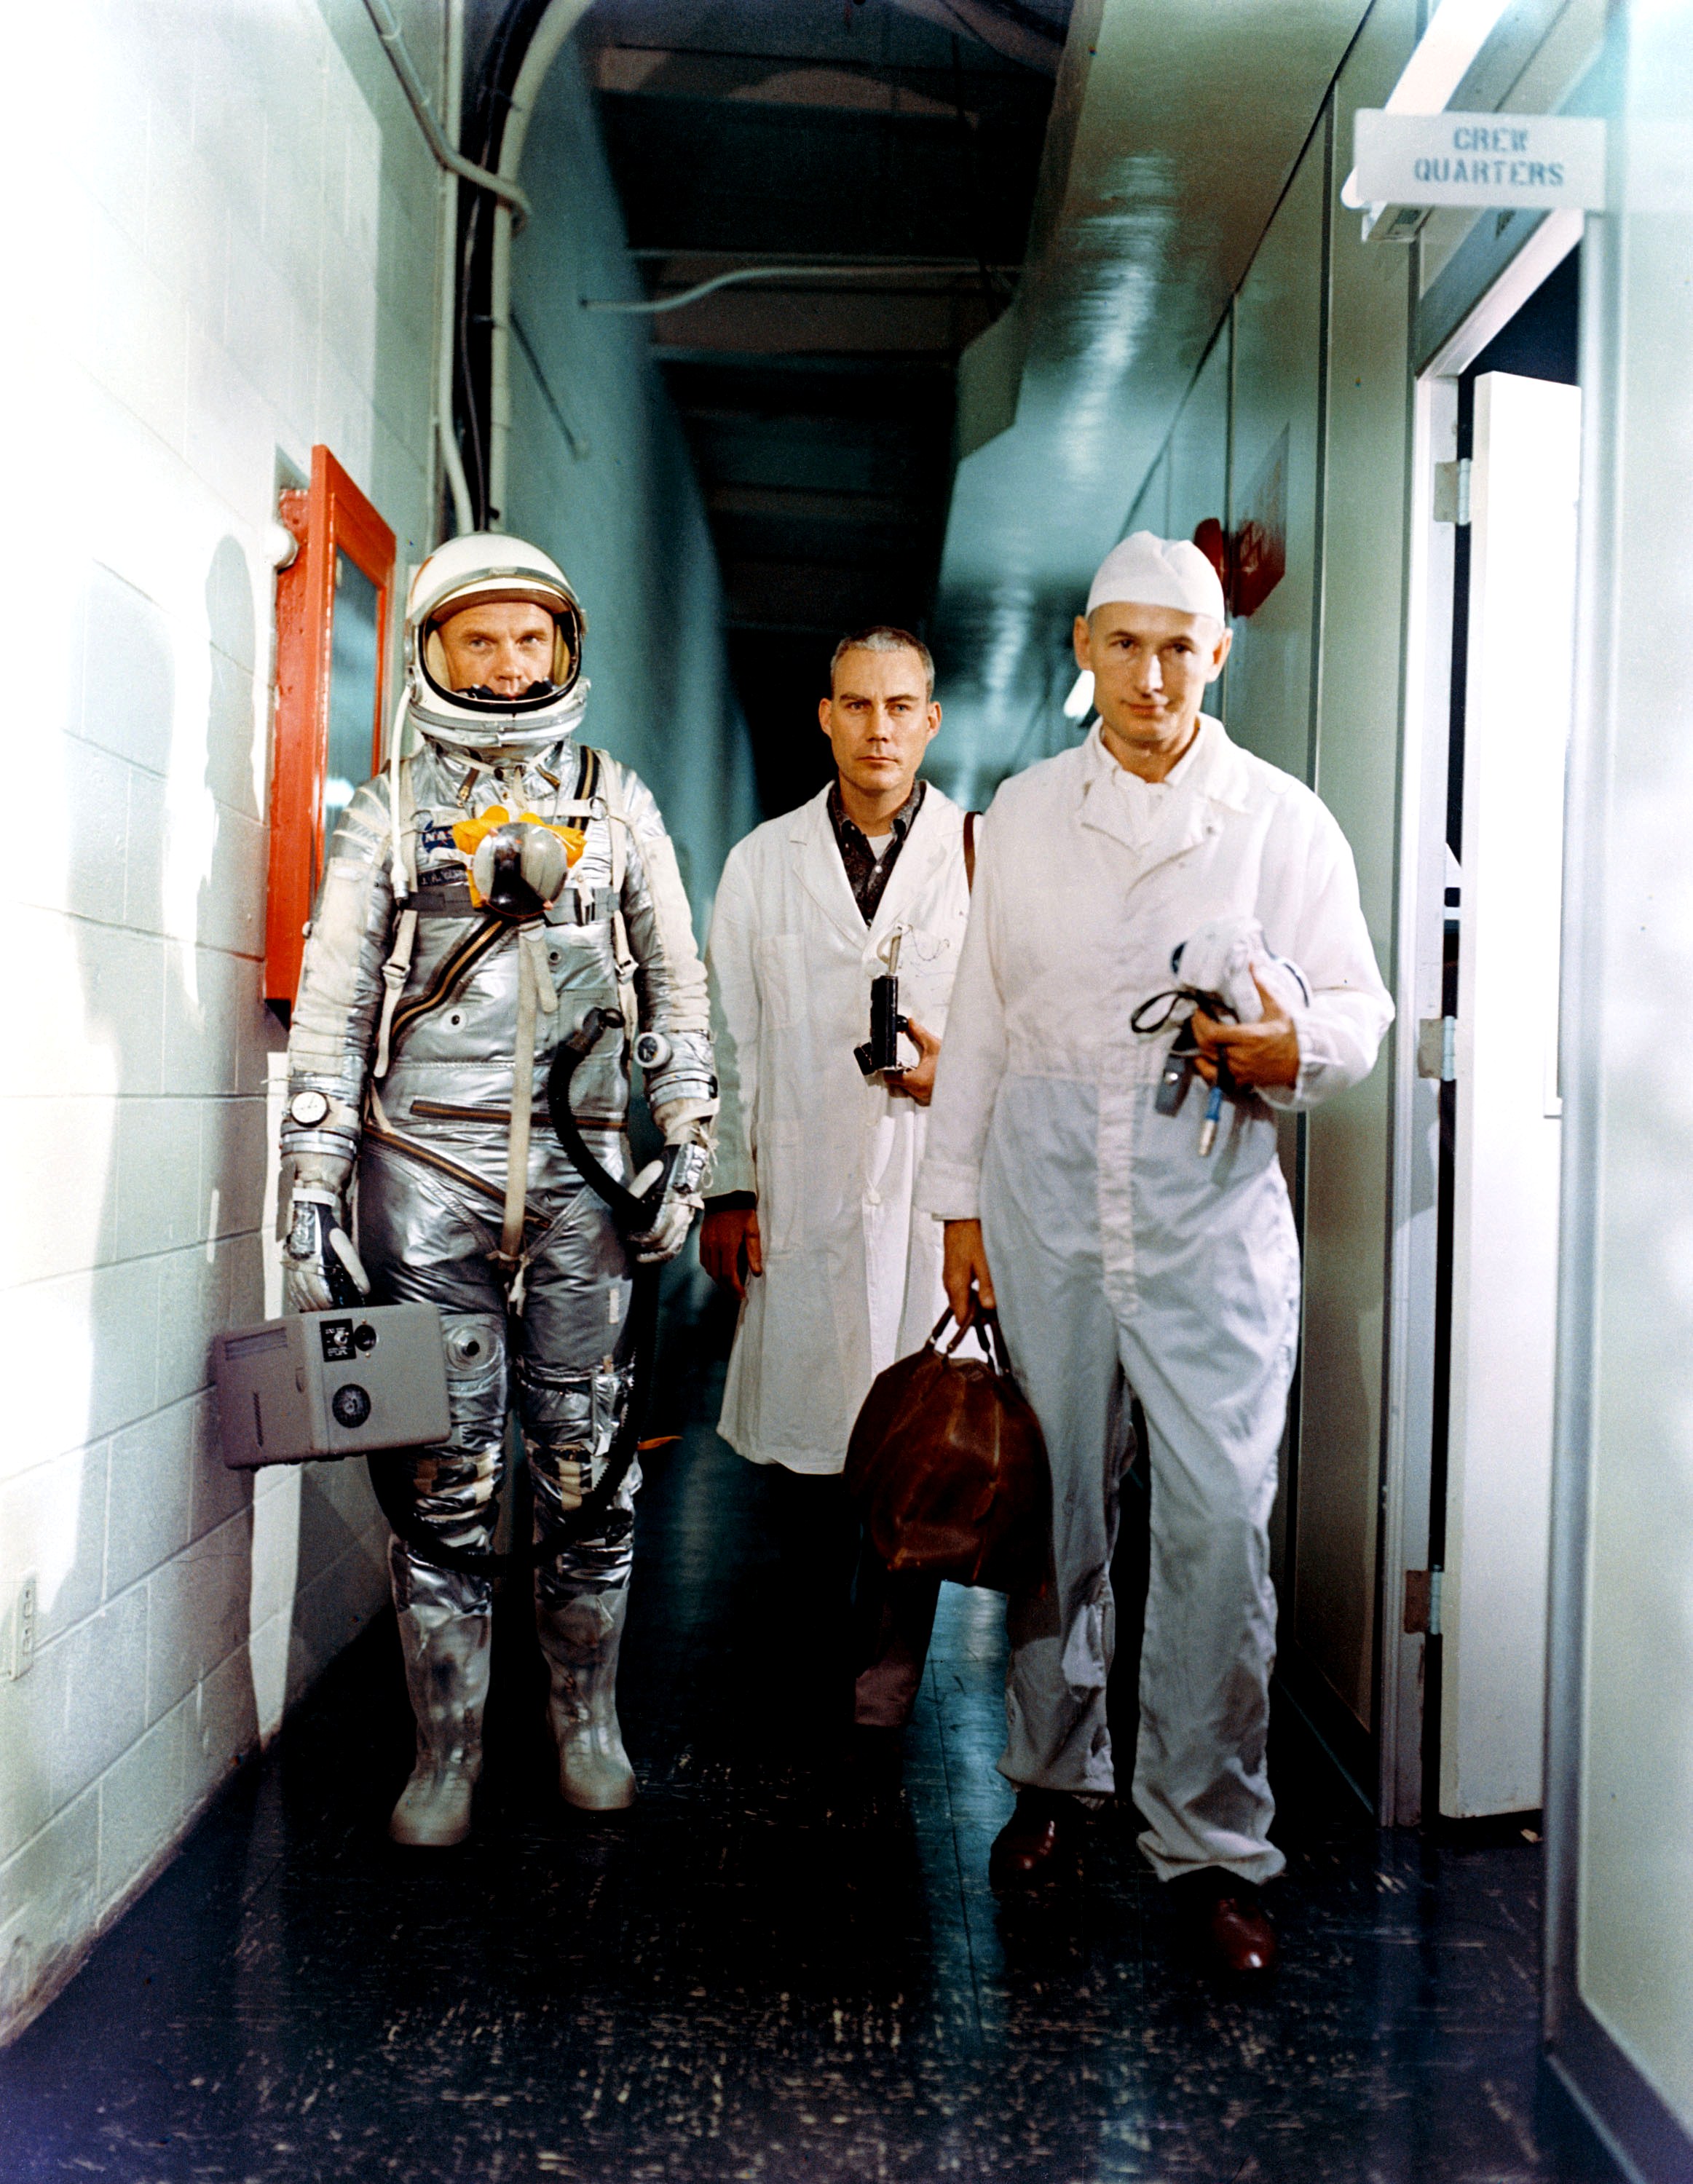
332	1384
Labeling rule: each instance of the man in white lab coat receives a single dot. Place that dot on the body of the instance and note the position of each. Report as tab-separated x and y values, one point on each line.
1123	1255
809	1216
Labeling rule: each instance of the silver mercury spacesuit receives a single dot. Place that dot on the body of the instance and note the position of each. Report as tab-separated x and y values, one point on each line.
420	1005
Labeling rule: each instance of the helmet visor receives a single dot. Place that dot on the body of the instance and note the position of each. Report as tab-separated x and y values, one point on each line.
567	647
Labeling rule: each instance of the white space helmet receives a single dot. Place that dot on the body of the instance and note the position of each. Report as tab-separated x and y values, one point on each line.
481	568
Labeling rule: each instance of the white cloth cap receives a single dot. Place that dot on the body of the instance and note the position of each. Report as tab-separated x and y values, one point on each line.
1151	572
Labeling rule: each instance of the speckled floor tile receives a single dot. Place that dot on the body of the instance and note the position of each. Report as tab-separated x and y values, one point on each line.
785	1965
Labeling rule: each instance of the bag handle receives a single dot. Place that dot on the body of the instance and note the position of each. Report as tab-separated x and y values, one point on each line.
984	1325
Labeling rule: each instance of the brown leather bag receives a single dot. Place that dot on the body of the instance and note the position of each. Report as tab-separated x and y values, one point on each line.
948	1467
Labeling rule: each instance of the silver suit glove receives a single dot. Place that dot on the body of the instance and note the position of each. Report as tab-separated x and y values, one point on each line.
320	1269
682	1169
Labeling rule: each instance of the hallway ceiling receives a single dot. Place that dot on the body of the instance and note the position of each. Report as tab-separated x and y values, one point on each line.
1175	131
893	145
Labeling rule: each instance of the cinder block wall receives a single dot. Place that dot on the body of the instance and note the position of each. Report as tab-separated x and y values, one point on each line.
229	252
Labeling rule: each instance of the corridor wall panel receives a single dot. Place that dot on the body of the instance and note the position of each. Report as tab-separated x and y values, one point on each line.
248	212
1197	454
1196	460
1151	511
1331	1615
1275	429
602	477
1273	480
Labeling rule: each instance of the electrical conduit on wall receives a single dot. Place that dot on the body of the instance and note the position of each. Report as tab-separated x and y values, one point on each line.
561	19
444	144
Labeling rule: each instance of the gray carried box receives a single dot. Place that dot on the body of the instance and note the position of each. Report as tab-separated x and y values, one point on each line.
331	1383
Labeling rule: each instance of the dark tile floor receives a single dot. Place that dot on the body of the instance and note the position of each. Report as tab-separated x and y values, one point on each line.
785	1965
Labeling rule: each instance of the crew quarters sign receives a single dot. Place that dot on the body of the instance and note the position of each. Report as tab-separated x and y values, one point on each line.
1538	162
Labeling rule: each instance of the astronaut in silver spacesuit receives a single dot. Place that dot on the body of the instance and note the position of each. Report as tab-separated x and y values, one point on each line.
490	888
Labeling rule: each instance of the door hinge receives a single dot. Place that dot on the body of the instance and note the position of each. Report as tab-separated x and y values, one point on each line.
1437	1048
1422	1602
1452	491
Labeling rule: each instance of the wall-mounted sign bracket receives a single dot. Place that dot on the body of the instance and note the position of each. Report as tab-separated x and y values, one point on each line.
1405	165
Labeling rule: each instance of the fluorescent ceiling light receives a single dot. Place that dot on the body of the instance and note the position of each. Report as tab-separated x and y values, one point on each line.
1457	31
1076	706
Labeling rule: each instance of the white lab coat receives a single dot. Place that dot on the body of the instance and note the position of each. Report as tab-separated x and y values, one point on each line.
1122	1258
851	1280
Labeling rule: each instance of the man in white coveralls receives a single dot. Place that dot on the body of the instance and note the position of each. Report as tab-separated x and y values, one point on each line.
1123	1255
809	1218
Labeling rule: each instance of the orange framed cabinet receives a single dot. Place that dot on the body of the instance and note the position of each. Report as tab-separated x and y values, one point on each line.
334	617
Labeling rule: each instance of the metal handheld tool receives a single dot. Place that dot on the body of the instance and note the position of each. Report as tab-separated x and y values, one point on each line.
1180	1064
880	1051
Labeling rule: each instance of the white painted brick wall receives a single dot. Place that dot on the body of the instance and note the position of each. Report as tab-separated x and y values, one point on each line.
229	253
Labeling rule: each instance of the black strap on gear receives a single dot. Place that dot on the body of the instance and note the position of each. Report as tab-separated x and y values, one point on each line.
388	1476
1172	997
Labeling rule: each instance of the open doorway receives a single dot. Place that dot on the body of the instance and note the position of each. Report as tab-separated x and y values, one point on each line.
1499	431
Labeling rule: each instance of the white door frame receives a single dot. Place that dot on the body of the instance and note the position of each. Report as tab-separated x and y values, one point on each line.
1520	666
1418	957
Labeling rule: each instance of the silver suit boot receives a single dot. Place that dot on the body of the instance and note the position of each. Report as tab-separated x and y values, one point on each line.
580	1637
446	1647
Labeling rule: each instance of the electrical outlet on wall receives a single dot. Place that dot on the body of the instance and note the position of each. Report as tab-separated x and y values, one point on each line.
18	1652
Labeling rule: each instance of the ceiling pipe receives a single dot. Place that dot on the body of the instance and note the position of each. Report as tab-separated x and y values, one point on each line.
653	306
832	260
394	45
442	142
559	19
452	458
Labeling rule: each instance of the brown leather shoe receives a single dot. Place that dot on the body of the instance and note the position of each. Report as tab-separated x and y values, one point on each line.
1037	1845
1242	1938
1228	1925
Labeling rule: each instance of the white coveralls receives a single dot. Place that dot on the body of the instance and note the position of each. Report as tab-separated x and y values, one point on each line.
1122	1259
851	1281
